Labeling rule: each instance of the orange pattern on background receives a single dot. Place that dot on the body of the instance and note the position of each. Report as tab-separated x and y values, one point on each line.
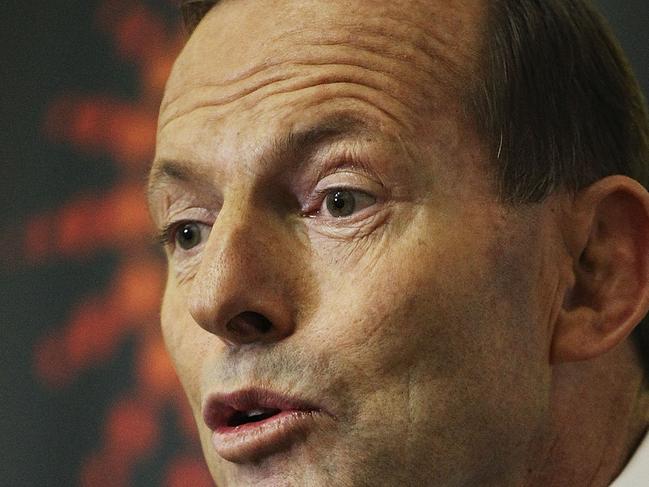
117	221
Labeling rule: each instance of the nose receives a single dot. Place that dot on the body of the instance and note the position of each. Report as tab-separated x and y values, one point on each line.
250	280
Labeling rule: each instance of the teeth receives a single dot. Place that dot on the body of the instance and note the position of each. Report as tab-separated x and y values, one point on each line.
256	412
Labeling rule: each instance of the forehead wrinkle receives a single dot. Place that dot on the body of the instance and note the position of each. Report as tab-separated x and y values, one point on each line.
358	51
402	40
386	46
286	83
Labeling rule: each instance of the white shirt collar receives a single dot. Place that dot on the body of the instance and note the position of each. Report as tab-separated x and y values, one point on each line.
636	472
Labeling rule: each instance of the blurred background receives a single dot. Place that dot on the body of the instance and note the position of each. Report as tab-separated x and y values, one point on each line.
88	395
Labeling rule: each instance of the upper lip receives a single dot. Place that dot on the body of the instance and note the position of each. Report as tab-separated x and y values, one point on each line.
218	409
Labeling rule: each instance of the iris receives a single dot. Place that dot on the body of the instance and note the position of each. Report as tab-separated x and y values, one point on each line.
341	203
188	236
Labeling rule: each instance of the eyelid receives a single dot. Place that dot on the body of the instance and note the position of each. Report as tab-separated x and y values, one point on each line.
351	170
348	178
352	159
180	216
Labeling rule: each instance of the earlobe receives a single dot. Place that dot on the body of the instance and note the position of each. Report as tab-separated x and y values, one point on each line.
609	291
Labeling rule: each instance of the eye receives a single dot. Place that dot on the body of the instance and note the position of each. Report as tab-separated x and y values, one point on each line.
189	235
343	202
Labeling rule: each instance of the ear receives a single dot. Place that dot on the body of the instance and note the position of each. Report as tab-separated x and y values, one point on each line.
608	240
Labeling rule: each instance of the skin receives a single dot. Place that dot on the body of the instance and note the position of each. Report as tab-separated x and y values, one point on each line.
440	328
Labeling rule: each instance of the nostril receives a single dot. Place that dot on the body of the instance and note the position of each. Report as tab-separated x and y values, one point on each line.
249	323
259	321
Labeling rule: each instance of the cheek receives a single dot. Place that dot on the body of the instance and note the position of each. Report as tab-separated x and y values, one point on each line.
420	294
443	322
188	345
184	340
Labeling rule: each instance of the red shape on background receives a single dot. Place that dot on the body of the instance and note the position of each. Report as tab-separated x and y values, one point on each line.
99	125
186	472
118	219
92	335
101	470
131	429
137	290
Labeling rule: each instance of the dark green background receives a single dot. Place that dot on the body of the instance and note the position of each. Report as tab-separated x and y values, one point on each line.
48	48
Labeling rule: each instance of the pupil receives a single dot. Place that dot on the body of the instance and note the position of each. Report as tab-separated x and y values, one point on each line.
189	236
341	203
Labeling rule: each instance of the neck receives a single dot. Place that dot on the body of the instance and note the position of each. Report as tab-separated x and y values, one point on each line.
599	414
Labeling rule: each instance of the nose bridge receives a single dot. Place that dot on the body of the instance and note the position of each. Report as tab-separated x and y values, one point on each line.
246	269
243	247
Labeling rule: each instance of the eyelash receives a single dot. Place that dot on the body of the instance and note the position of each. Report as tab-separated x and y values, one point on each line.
320	195
164	237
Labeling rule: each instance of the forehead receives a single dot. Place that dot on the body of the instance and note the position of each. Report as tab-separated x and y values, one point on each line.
425	49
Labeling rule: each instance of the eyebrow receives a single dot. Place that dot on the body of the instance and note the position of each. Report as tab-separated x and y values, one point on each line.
325	131
290	145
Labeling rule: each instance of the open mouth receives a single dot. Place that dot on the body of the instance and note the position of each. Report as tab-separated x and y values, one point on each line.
239	418
250	407
250	424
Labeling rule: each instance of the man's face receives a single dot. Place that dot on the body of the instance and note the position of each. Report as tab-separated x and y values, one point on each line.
315	167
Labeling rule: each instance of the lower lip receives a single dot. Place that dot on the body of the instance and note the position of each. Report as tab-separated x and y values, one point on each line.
252	441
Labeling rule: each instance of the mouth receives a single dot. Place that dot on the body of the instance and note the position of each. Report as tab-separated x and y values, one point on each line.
240	418
250	424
